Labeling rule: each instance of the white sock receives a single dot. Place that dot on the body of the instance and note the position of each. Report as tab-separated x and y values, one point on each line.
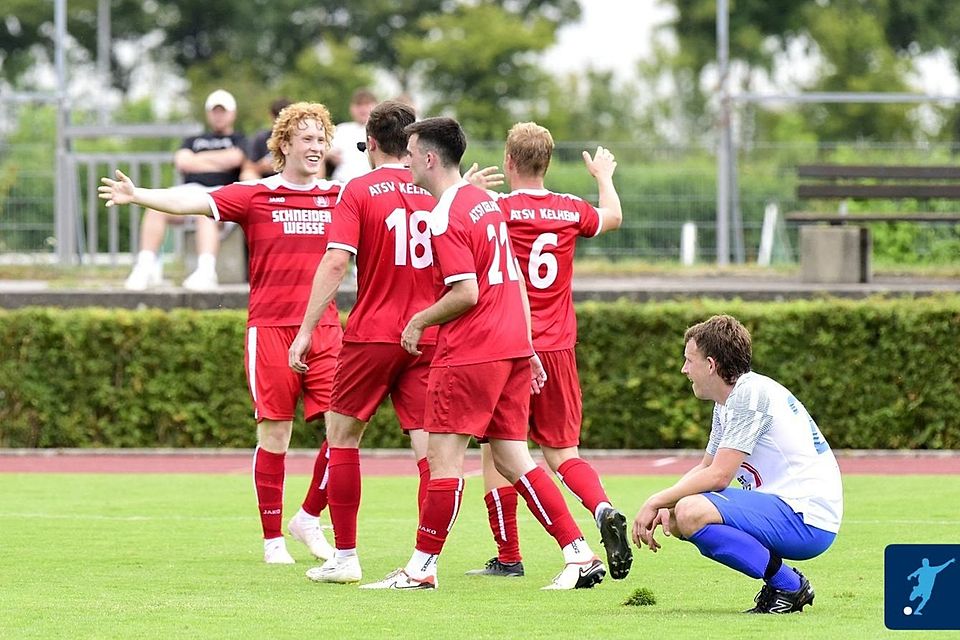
274	543
577	551
146	258
422	564
345	553
600	509
206	262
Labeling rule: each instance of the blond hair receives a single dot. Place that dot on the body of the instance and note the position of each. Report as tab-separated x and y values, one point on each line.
292	118
530	146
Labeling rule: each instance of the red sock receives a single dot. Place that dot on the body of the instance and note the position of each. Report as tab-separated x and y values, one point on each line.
268	479
343	495
546	502
316	500
582	480
438	514
502	515
424	467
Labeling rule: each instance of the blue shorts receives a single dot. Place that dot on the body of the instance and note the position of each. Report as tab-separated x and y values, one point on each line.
771	521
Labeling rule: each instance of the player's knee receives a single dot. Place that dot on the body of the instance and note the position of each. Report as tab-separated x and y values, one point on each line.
691	514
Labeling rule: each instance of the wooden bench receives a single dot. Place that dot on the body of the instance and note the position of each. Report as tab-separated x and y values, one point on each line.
842	251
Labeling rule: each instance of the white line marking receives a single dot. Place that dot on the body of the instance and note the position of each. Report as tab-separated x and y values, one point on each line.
662	462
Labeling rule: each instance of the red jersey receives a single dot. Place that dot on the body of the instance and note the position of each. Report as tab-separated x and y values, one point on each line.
470	241
285	226
544	227
381	218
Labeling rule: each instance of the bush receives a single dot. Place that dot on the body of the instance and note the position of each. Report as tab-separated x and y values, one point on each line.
874	374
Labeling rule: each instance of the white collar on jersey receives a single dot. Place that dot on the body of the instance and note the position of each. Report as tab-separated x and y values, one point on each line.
440	216
531	192
275	181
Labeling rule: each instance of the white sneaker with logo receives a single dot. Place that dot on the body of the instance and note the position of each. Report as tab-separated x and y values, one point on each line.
202	280
310	534
399	579
275	552
578	575
344	570
144	276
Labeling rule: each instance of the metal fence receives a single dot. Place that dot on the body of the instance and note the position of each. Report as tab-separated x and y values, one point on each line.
662	189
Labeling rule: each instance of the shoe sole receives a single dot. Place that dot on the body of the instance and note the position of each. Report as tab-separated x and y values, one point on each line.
325	580
613	534
493	574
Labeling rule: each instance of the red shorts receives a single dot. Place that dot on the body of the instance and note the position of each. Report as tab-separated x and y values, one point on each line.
275	387
367	372
556	413
487	400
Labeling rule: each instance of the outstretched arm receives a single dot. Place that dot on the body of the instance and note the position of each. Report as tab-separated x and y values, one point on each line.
181	202
945	565
601	166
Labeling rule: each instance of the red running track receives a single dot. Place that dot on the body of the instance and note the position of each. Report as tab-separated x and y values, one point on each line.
383	462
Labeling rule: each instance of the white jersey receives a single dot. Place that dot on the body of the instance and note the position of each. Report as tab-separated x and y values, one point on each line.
353	162
787	456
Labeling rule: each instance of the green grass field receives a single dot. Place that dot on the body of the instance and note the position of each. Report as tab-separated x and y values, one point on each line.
179	556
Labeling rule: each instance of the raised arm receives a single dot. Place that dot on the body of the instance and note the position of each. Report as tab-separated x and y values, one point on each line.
181	202
601	166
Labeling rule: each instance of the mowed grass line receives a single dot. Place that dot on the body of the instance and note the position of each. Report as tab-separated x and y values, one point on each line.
179	556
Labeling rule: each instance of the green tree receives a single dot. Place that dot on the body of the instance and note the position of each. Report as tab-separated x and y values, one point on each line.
857	58
863	44
477	62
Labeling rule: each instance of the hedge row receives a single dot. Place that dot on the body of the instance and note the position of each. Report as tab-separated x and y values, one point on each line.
875	374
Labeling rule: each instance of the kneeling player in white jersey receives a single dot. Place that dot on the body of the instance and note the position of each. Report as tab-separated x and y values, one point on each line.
765	439
285	219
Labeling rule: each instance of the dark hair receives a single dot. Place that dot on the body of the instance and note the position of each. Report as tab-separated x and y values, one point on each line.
725	340
443	135
387	125
279	105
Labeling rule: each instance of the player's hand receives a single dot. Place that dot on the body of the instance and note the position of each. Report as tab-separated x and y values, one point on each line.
602	164
538	375
485	178
410	338
298	349
645	524
119	191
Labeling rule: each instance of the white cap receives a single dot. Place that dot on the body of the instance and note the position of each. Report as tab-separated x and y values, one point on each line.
220	98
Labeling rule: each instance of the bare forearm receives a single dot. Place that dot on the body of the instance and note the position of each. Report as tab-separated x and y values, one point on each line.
526	306
181	202
453	304
696	481
609	203
326	283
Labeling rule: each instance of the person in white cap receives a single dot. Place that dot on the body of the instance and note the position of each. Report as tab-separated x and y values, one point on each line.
207	161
